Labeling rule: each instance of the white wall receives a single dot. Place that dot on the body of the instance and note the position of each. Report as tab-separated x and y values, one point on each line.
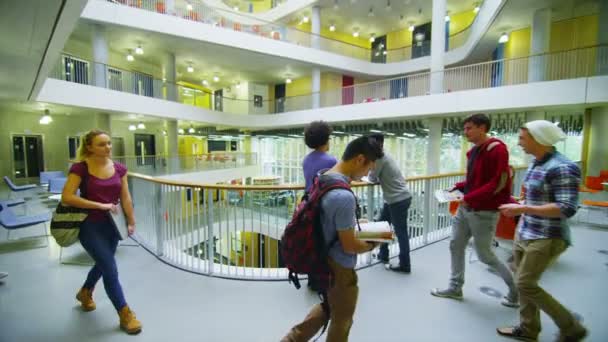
508	98
106	12
259	90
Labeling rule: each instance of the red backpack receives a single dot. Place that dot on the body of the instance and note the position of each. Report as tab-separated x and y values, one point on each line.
303	246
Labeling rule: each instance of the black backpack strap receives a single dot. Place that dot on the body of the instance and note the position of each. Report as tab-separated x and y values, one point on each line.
326	311
293	277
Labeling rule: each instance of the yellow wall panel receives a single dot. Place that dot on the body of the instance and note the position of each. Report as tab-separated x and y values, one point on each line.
460	21
518	44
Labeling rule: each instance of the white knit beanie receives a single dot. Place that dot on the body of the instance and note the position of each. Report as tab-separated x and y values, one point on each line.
545	132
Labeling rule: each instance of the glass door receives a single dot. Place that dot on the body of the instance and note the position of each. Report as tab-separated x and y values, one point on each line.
28	158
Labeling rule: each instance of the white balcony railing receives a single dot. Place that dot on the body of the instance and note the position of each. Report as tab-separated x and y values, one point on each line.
233	231
582	62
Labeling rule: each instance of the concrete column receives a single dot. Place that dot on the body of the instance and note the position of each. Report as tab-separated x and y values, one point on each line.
103	121
541	35
437	46
315	27
316	88
100	55
173	162
597	158
433	151
170	76
602	38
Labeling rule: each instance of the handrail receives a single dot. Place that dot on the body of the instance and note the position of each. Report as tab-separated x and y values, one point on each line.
354	184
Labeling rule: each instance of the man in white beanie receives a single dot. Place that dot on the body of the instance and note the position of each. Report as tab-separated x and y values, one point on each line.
551	197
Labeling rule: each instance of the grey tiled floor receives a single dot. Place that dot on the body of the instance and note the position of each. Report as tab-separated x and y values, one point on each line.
37	299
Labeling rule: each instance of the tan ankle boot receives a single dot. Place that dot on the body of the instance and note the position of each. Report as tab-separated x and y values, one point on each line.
128	322
85	297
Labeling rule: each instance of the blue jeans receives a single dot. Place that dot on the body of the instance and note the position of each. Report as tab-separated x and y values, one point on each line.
100	240
396	214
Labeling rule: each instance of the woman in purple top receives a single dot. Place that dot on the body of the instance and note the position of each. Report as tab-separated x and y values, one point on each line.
316	136
106	185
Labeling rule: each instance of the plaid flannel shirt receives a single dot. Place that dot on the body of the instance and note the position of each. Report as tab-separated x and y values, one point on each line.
552	179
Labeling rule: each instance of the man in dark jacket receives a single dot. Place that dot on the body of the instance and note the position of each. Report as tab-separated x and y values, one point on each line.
486	187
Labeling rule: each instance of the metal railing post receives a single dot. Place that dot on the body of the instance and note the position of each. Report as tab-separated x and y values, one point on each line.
210	234
426	212
161	219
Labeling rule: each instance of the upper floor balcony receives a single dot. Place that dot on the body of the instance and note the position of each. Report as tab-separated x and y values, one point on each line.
552	79
198	21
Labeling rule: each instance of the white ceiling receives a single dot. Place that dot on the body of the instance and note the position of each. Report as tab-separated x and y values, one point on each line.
25	29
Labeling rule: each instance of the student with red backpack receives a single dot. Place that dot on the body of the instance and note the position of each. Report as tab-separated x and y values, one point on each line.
320	239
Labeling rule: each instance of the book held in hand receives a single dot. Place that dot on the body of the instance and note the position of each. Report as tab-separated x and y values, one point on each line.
375	232
444	196
120	222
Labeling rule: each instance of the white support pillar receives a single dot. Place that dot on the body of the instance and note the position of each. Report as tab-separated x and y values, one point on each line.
172	146
602	39
597	159
541	35
437	46
316	88
100	55
170	76
433	151
315	27
103	121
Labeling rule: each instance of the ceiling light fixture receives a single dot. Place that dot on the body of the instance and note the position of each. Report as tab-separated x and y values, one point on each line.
189	7
332	28
476	9
216	78
205	82
504	37
372	38
305	19
336	5
130	57
191	130
141	125
238	85
190	68
236	8
46	118
447	18
180	131
132	127
411	27
139	50
288	80
356	33
371	12
388	5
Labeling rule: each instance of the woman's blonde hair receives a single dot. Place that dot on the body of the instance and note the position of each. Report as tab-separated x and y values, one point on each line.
87	140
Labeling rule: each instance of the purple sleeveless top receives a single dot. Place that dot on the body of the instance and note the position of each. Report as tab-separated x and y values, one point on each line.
101	190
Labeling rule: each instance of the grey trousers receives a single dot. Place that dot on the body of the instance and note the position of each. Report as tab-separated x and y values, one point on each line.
481	225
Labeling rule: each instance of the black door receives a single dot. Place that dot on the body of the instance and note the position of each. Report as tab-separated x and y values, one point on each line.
145	149
218	100
279	96
19	157
33	155
379	50
421	38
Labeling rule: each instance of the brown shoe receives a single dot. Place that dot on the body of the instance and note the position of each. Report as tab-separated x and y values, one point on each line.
578	333
128	322
516	333
85	297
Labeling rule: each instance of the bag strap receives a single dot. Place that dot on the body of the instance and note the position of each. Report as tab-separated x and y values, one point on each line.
84	180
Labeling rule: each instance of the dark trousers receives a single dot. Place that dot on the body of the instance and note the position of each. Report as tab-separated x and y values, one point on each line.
396	214
100	240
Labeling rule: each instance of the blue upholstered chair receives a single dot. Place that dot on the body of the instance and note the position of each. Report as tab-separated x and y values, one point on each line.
46	176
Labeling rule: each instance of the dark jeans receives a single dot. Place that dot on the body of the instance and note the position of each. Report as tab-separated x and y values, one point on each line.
100	240
396	214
